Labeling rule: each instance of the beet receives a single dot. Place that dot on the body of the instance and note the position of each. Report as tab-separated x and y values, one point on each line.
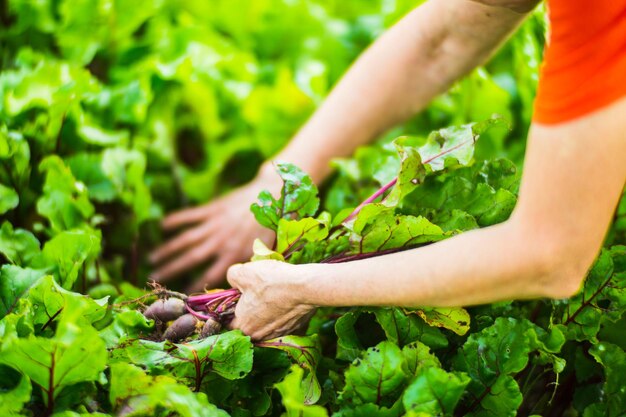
211	327
165	310
181	328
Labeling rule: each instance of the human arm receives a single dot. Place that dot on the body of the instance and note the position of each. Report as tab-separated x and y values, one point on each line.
416	60
573	177
397	76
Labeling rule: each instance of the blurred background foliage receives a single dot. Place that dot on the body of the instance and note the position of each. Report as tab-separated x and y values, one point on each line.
114	112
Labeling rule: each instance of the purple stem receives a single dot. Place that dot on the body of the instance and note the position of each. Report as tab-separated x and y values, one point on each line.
202	299
200	315
371	198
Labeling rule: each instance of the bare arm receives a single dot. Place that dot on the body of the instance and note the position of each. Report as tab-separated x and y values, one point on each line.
417	59
573	177
397	76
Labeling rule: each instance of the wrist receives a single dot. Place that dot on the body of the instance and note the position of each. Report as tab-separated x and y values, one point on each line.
298	284
313	285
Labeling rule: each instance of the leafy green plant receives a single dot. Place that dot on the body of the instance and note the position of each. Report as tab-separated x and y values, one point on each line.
113	113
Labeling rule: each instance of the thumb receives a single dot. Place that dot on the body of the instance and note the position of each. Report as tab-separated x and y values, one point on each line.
235	274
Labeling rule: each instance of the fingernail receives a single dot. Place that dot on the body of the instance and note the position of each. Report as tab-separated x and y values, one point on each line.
154	277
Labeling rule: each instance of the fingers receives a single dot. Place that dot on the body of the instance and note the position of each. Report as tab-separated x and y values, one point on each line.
188	216
214	275
186	261
183	240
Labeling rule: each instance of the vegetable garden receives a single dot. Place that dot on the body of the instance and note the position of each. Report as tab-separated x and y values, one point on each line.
115	113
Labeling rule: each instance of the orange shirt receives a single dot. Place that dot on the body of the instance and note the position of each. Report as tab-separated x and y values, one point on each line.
584	65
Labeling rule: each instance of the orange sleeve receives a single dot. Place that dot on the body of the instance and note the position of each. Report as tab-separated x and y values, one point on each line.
584	65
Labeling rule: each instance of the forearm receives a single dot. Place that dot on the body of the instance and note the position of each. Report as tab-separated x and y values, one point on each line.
569	192
481	266
419	58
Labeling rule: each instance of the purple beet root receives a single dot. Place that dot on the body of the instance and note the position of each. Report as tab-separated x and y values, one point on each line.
165	310
211	327
181	328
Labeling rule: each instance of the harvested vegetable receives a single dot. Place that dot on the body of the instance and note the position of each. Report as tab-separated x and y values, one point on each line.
181	328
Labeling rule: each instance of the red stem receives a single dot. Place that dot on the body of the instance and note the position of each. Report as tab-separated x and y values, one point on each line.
371	198
200	315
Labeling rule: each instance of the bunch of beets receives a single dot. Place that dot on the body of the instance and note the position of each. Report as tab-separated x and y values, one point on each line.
203	313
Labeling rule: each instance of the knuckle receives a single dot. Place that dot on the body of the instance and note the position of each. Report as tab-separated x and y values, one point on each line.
234	273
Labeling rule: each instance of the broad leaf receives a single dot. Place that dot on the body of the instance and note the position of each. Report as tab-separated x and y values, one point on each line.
18	246
228	355
65	254
12	400
291	233
295	397
8	199
298	198
306	353
14	283
377	229
613	359
602	298
133	393
456	319
74	354
65	202
377	377
434	392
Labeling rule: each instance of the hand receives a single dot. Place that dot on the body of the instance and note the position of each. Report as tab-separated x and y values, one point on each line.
222	230
270	304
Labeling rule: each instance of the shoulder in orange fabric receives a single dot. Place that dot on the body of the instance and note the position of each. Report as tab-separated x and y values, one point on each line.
584	65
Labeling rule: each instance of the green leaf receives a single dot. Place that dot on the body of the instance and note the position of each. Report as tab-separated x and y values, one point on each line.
95	135
434	392
377	377
126	324
491	356
293	232
298	198
305	351
126	170
66	253
8	199
377	228
476	190
367	410
65	202
14	282
503	400
228	355
12	401
73	355
398	327
295	397
87	168
133	393
417	357
50	302
602	298
456	142
18	246
613	359
14	160
262	252
412	172
456	319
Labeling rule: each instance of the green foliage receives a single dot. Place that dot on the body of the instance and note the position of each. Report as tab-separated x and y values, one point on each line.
298	199
113	113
